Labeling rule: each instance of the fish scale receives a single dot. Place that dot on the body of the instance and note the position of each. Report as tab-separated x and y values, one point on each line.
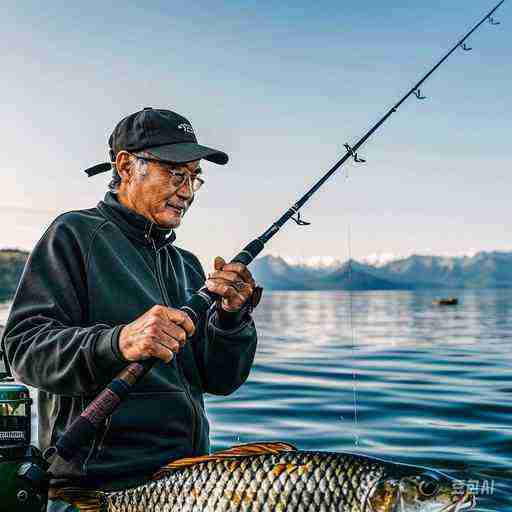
302	481
276	477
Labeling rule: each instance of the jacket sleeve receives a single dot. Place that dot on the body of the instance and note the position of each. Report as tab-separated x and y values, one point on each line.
47	340
224	350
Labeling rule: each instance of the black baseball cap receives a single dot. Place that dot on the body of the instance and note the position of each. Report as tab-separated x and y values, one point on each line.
166	134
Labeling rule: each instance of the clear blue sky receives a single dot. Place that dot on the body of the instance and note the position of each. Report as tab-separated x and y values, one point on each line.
280	86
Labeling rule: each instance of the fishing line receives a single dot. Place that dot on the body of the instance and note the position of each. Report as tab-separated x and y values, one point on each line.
353	335
352	330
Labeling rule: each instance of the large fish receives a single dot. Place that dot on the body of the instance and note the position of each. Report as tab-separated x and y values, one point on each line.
276	477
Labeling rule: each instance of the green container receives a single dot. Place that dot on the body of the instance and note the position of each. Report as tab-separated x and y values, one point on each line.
22	468
15	415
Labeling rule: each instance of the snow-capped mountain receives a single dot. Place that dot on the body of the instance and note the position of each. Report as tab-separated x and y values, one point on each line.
481	270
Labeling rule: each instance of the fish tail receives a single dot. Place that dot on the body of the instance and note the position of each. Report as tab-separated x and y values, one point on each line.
83	499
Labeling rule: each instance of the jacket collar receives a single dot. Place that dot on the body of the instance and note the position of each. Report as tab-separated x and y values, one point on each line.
134	225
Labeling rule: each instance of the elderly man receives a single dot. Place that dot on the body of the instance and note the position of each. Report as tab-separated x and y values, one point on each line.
102	288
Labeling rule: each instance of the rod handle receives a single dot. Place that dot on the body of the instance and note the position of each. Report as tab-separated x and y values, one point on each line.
249	252
83	429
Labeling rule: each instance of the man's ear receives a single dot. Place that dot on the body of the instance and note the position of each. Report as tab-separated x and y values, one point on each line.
123	166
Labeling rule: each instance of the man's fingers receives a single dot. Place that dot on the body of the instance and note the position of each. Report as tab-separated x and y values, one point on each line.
237	268
181	318
224	289
221	287
218	263
232	277
245	289
164	345
171	344
160	333
241	270
173	332
163	352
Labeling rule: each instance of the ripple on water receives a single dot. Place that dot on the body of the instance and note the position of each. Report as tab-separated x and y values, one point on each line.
433	385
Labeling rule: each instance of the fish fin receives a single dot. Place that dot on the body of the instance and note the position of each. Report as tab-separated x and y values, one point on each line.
84	500
239	451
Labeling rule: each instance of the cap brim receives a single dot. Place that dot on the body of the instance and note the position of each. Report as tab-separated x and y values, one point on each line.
183	152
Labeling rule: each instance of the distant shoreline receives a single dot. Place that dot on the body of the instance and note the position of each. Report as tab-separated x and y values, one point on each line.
484	270
12	262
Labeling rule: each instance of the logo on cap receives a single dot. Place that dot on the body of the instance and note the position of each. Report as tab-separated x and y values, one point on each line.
186	128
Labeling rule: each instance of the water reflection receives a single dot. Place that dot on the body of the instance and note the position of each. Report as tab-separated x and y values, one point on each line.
433	384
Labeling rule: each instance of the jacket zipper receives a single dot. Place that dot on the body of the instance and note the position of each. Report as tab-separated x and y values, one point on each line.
181	375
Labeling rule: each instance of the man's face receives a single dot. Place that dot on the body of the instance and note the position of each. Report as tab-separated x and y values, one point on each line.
152	190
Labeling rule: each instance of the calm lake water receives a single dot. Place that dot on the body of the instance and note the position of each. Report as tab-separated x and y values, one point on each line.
432	386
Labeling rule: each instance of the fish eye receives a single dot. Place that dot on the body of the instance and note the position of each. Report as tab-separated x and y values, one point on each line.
428	486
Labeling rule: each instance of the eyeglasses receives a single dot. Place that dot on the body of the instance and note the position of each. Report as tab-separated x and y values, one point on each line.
177	178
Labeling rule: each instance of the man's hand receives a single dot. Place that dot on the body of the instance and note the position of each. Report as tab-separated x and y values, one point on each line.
231	281
160	332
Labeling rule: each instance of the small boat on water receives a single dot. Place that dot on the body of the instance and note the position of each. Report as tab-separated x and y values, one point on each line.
447	301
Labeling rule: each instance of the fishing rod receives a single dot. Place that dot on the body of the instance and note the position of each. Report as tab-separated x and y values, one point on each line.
85	426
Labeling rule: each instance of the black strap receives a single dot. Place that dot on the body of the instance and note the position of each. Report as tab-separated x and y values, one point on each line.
97	169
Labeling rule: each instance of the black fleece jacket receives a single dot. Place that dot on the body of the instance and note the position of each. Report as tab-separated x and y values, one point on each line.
92	272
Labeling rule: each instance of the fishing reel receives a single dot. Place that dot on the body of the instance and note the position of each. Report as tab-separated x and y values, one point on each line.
23	478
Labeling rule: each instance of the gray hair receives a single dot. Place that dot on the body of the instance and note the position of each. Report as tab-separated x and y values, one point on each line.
115	182
139	166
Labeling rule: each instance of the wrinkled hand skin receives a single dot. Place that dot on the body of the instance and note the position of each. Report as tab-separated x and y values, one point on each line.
160	333
231	281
